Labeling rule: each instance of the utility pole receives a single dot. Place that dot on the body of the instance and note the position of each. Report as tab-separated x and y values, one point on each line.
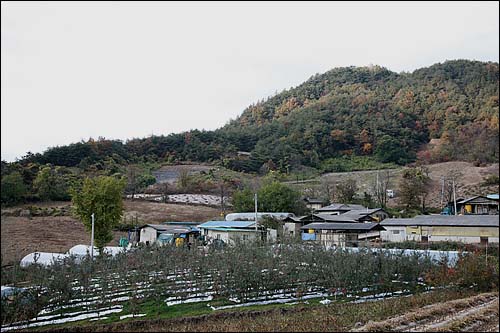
255	198
92	239
454	197
442	192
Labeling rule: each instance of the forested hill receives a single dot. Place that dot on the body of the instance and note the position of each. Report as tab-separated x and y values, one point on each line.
354	111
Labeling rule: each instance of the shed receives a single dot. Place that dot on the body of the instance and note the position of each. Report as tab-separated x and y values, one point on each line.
341	234
314	204
229	231
150	232
479	205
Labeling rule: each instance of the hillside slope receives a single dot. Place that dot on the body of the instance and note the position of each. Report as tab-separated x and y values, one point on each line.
367	111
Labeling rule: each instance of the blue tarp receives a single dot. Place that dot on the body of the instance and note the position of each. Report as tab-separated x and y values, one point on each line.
165	238
306	236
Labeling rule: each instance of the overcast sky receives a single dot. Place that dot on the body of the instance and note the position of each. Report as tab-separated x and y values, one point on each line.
71	71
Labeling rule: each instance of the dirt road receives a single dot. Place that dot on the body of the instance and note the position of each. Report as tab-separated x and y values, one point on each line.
474	314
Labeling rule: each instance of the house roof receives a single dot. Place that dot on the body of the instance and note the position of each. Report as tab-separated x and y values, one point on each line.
475	198
230	229
357	227
339	206
492	196
295	218
227	224
445	220
335	218
171	228
181	223
314	201
361	213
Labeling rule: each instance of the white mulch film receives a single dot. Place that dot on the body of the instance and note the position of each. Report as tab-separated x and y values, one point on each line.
201	199
132	316
182	289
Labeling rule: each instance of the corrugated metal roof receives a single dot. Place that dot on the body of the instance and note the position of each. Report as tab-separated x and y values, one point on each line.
474	198
229	229
339	206
171	228
446	220
343	226
336	218
181	223
295	218
227	224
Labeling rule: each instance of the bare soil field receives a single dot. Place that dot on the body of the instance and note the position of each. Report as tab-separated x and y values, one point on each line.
156	212
23	235
474	314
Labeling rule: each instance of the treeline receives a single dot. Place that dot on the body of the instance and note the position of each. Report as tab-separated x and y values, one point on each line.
32	181
331	122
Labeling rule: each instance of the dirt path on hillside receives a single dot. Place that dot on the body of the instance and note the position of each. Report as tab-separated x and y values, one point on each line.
474	314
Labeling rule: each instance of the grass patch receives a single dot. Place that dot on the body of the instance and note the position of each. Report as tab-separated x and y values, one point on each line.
354	163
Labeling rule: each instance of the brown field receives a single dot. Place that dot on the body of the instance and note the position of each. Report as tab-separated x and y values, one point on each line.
22	235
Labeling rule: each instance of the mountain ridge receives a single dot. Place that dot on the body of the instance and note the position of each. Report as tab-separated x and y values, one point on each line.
366	111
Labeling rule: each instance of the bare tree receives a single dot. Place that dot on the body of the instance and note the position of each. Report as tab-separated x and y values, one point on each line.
164	191
132	179
380	187
327	190
347	190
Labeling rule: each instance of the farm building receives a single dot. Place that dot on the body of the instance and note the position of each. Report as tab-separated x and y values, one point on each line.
165	233
367	215
341	234
313	204
292	225
338	208
478	205
230	231
434	228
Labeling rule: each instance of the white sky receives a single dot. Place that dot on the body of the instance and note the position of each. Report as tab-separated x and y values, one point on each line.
70	71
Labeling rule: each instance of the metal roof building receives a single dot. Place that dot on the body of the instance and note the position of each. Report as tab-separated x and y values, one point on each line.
433	228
